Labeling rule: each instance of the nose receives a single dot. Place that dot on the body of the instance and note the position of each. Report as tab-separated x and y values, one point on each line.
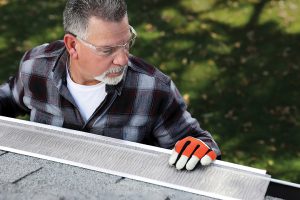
121	57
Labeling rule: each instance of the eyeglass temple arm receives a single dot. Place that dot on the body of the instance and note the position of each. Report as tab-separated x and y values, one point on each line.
68	32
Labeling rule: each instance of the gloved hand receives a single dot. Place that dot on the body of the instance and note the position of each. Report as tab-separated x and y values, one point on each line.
191	150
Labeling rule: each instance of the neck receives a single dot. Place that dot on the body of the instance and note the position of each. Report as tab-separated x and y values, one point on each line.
77	77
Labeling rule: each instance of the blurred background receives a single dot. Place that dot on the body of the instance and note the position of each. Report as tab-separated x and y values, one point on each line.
236	63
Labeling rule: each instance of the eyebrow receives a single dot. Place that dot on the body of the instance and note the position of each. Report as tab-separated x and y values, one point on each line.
121	42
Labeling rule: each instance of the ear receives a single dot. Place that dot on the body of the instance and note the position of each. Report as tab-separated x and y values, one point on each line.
70	43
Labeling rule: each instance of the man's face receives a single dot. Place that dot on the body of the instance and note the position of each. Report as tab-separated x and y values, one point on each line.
93	64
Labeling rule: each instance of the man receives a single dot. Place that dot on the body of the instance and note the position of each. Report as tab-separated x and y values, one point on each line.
90	82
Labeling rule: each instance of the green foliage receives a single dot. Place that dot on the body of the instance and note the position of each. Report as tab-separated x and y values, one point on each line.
235	62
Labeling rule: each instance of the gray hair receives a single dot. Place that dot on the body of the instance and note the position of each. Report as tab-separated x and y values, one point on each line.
78	12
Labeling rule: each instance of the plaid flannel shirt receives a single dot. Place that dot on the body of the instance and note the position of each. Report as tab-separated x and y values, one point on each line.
144	107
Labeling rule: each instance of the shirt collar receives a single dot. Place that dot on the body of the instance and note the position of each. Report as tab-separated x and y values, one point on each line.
59	68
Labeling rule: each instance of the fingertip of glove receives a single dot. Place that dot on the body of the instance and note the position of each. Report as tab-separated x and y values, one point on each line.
192	163
181	162
173	157
206	160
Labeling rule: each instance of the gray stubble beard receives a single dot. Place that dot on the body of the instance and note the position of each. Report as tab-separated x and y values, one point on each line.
111	81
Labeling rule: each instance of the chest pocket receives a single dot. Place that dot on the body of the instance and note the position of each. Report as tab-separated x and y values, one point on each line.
43	117
130	133
44	113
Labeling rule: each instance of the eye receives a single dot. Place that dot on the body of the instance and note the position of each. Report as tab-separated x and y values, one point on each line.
106	51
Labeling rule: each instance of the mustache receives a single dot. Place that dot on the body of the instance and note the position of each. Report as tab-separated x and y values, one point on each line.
115	70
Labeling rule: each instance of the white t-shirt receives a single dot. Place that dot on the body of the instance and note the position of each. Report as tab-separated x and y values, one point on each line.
87	97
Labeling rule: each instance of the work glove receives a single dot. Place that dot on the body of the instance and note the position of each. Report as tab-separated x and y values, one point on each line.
189	151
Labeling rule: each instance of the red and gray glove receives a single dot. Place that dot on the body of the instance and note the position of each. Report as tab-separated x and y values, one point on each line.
189	151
